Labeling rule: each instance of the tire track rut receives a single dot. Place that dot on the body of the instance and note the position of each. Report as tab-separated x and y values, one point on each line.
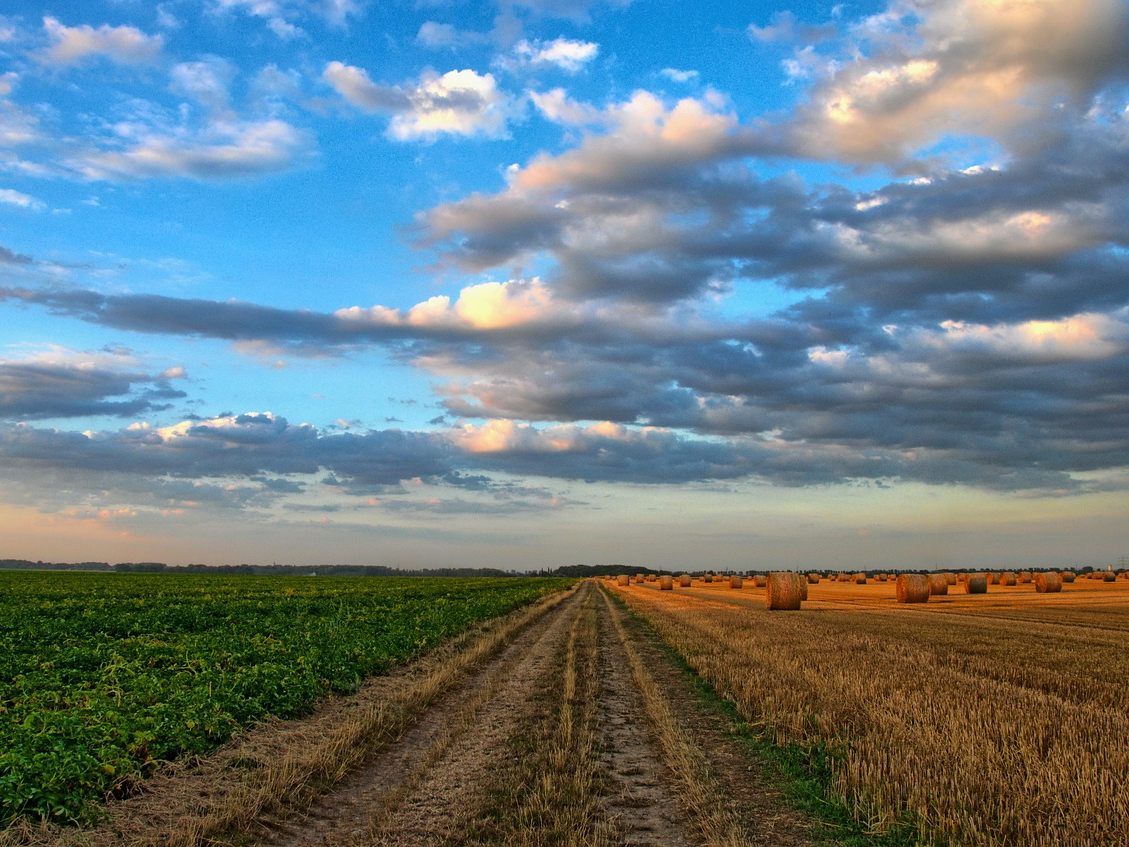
413	790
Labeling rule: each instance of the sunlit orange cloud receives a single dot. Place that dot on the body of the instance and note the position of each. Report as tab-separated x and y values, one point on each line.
484	306
1084	336
643	129
502	435
1029	54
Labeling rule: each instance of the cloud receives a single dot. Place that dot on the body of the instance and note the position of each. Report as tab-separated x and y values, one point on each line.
815	396
456	103
461	102
206	81
1003	71
604	452
281	15
71	45
558	107
785	27
69	384
358	89
485	306
338	12
958	317
679	75
438	36
604	209
226	149
434	35
11	197
566	54
10	257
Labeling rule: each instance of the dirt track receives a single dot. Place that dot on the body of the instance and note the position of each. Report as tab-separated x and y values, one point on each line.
565	724
450	779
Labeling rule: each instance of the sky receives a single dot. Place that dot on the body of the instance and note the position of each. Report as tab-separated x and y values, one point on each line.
535	282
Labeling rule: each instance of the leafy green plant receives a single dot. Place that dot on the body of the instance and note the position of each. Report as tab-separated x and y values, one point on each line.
105	676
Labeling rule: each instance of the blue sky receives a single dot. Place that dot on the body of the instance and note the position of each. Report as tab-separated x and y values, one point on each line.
501	282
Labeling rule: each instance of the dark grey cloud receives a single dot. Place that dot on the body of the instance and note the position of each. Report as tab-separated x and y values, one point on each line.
10	257
32	390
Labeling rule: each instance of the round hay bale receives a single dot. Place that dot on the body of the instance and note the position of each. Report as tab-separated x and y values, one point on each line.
1024	577
860	578
666	583
736	582
912	588
813	578
880	578
784	591
938	584
623	579
1048	582
1067	576
1108	576
962	577
684	581
1007	578
977	583
760	581
707	578
993	579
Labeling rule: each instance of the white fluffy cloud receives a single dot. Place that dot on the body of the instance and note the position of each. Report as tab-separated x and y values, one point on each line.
679	75
73	44
456	103
566	54
459	102
559	108
11	197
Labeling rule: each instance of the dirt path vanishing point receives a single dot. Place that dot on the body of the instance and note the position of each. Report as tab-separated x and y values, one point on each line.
562	724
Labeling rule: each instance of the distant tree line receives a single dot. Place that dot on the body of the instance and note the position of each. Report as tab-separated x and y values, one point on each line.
384	570
272	569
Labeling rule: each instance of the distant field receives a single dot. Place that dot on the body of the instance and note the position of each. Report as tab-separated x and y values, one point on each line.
104	676
986	719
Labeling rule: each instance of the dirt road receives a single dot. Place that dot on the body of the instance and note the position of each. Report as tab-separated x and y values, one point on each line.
563	724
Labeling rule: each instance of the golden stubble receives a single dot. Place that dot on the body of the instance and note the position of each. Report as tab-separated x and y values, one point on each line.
995	719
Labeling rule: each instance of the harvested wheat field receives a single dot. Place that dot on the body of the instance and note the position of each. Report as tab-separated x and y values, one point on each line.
978	719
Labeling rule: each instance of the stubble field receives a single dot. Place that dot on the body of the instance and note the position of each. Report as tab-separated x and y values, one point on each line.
992	719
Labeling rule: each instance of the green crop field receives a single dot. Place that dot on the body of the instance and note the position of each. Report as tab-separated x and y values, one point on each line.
104	676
